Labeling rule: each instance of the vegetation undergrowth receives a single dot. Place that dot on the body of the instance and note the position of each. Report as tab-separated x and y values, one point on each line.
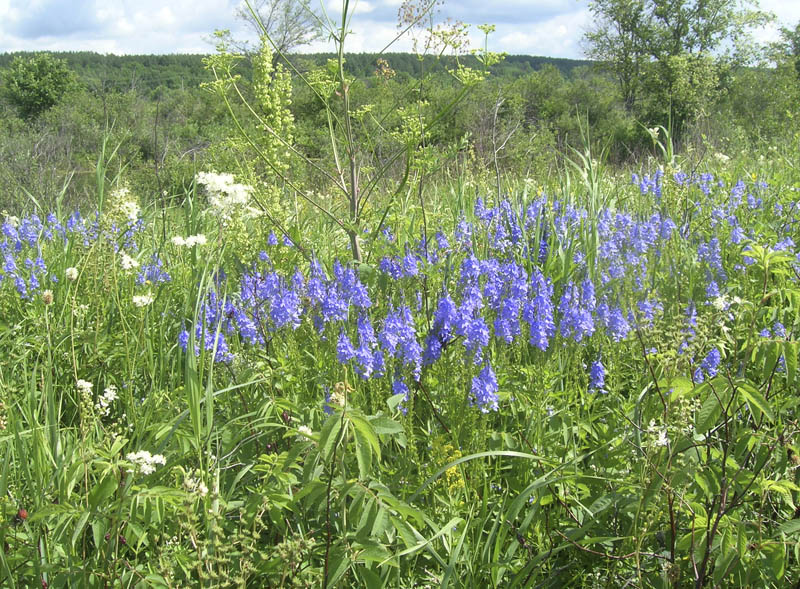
390	362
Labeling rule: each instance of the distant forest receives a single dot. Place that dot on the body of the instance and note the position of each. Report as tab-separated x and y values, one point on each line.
145	73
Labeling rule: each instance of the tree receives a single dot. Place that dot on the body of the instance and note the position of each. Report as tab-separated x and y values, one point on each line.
616	42
36	84
287	23
671	50
789	47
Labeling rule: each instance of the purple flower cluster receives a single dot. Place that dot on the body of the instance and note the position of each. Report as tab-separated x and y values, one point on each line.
23	243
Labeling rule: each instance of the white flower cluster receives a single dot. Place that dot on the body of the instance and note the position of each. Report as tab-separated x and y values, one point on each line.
84	386
195	485
127	262
304	432
128	208
662	438
146	461
71	274
225	195
190	241
105	401
143	300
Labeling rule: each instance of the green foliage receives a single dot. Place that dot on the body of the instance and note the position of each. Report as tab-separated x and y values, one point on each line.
175	470
36	84
661	50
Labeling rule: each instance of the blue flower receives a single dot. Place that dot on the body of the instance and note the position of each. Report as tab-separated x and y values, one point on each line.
710	363
597	376
484	390
538	311
576	309
399	387
153	272
344	348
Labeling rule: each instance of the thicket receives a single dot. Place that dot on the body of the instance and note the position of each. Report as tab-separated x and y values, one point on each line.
521	120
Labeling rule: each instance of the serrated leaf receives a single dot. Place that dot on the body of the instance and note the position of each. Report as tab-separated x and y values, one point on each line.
775	560
373	552
339	562
422	543
723	564
678	387
395	400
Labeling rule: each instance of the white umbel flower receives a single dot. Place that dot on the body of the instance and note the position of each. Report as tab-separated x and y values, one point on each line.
127	262
143	300
224	194
84	386
105	401
194	240
145	461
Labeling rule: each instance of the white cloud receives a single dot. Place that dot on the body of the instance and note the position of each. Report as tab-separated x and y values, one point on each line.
541	27
555	37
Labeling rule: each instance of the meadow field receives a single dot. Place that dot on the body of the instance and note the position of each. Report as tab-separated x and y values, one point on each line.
302	328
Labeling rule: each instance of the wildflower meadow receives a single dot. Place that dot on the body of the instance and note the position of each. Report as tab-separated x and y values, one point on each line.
383	365
534	389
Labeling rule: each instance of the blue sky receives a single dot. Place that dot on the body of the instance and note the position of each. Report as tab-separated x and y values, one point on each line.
536	27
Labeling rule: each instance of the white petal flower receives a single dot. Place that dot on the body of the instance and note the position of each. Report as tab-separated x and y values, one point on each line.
145	461
127	262
194	240
143	300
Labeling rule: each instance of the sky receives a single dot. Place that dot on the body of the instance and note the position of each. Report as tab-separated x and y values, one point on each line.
550	28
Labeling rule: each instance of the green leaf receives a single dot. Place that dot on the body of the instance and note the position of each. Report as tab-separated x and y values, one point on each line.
496	453
385	425
369	578
76	533
679	387
394	401
774	560
425	543
339	562
790	527
103	490
791	350
708	414
373	552
329	436
755	398
366	429
363	454
772	354
723	564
